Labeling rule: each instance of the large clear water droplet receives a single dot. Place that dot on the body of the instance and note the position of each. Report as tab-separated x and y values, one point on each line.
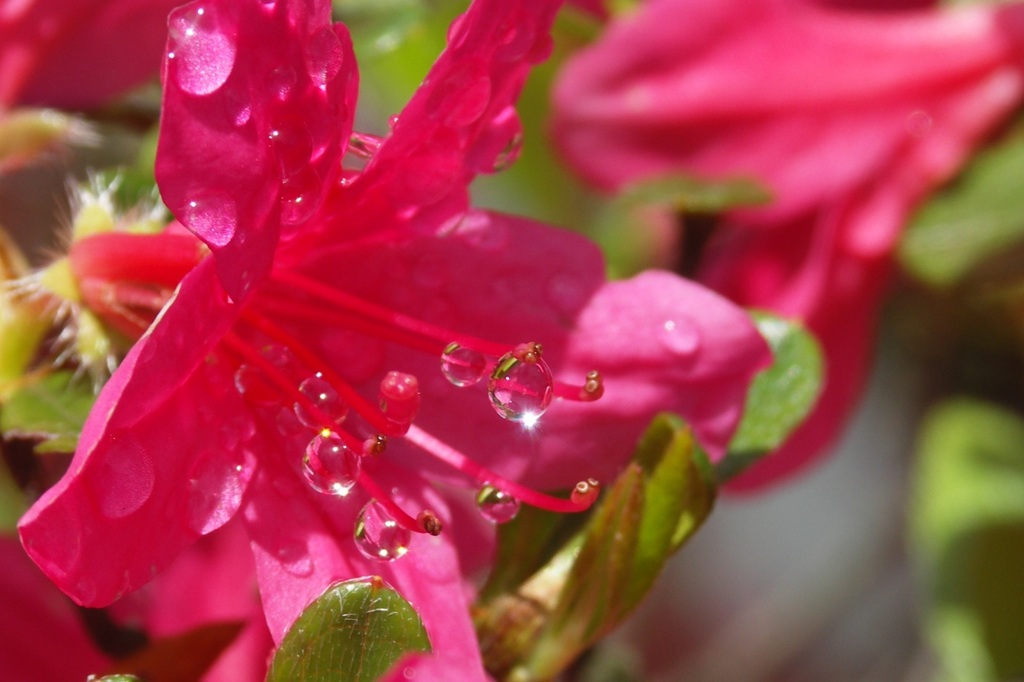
322	395
292	145
213	217
496	505
520	390
463	366
300	194
200	55
377	534
330	466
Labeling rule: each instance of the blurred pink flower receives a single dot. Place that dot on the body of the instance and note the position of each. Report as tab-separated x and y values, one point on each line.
331	292
849	118
78	54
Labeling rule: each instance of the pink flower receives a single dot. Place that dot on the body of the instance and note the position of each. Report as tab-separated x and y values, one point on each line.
850	118
331	292
78	53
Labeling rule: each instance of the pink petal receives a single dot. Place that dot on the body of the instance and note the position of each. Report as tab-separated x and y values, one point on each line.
164	457
807	100
78	53
461	121
302	541
35	619
257	111
514	284
426	667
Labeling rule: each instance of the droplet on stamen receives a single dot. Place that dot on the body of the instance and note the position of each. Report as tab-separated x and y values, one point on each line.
323	396
330	467
521	386
378	536
400	398
496	505
463	366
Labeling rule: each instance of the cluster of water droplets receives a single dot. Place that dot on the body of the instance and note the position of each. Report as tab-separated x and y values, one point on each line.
520	385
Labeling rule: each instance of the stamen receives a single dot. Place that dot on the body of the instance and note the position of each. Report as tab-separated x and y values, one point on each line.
344	301
400	399
364	145
455	459
383	499
591	390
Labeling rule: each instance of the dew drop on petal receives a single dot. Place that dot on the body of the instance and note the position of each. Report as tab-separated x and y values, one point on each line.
200	54
300	194
520	390
213	217
680	336
330	466
292	145
322	395
378	536
216	485
324	56
463	366
294	558
496	505
280	82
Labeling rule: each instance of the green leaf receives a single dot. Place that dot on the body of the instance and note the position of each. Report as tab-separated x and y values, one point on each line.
967	522
973	220
694	194
52	408
780	397
12	501
360	627
601	575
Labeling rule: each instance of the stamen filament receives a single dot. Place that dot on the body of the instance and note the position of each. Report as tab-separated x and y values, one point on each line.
455	459
345	391
310	313
591	390
378	493
278	378
355	304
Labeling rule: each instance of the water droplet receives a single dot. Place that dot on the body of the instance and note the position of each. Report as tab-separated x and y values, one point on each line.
457	32
496	505
919	123
378	536
681	336
399	398
294	558
509	153
467	99
280	82
251	382
521	387
516	38
216	484
477	229
324	56
322	395
292	146
213	217
463	366
123	480
200	56
364	145
300	195
330	466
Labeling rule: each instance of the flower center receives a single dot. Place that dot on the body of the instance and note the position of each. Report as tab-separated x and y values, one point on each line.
276	368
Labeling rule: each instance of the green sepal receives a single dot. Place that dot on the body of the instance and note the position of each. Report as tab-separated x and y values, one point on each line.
356	630
597	578
52	408
967	522
780	397
977	218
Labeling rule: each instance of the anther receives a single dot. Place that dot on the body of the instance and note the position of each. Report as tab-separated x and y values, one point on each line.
585	493
528	352
429	522
375	446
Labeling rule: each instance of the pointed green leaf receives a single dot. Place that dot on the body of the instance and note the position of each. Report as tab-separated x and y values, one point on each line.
653	507
52	408
973	220
354	631
780	396
968	532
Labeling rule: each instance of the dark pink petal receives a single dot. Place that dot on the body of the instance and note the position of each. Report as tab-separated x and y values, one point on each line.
36	621
303	543
78	54
461	121
806	100
427	667
660	342
164	457
257	111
